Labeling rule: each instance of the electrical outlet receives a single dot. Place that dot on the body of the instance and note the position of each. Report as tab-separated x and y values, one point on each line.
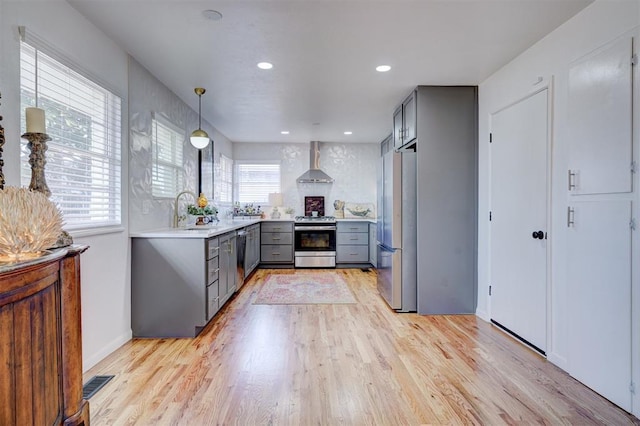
146	206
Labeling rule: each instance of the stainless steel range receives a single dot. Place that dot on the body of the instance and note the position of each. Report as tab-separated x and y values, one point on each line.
315	241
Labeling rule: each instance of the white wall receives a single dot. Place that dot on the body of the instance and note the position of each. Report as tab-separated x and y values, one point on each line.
352	166
148	95
106	319
598	24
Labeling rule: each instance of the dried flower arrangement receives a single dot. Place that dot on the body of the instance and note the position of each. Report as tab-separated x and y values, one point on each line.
29	223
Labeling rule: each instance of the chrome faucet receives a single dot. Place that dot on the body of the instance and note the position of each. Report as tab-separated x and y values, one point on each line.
175	207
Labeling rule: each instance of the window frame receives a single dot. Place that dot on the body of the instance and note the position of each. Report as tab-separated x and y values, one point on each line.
104	161
177	146
238	164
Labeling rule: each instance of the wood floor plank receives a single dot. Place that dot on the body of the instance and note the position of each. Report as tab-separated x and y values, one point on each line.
355	364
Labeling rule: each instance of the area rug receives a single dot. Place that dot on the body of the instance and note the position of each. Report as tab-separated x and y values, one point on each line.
304	289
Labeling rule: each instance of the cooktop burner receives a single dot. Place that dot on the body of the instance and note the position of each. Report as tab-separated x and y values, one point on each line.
314	219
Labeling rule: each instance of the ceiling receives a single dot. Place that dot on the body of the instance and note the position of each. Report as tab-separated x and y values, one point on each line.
324	52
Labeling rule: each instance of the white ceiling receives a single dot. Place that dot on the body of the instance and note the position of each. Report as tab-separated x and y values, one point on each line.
324	54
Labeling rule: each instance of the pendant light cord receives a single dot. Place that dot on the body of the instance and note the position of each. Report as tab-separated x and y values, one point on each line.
199	112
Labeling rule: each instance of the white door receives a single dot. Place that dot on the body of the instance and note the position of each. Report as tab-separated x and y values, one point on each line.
600	120
519	218
599	278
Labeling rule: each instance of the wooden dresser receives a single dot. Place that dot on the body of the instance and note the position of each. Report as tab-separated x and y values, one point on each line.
41	341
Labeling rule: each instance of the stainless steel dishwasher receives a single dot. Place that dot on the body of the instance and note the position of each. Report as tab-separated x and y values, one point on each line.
241	249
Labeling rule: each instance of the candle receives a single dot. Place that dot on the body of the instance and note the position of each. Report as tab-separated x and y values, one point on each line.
35	120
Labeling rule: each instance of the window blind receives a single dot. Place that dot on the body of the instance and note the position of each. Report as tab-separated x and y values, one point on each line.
224	180
167	176
256	181
83	119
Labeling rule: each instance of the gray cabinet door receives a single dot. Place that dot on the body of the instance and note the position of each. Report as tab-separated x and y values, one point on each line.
352	254
397	128
409	119
226	274
373	245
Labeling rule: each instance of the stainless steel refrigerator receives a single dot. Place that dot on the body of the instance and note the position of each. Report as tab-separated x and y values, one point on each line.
396	230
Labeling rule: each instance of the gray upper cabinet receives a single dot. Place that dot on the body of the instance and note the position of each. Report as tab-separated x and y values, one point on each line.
446	171
405	123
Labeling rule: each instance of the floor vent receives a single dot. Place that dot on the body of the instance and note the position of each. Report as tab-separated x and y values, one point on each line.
94	385
365	270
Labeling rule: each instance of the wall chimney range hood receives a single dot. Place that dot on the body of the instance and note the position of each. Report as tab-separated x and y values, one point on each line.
314	174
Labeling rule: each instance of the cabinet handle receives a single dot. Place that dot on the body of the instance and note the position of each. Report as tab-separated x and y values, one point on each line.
570	217
276	239
275	254
353	254
353	239
572	180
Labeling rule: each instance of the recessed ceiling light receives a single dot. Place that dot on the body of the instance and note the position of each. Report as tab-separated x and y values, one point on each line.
383	68
265	65
348	133
213	15
285	132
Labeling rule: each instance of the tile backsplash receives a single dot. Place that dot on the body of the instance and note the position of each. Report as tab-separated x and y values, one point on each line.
352	166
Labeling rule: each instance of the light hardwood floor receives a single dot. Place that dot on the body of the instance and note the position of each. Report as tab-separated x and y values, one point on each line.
339	364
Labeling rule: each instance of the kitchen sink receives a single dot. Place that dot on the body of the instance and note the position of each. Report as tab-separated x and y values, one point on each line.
200	227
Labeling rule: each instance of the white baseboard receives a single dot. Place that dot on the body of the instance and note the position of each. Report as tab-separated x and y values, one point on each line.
88	362
483	315
558	360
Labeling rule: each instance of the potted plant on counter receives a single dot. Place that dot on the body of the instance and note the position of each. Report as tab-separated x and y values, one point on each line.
203	213
289	211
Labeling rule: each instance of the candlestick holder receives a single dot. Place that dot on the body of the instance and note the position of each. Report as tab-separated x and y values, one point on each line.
1	160
1	150
38	146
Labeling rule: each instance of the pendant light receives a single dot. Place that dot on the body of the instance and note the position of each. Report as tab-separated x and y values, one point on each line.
199	138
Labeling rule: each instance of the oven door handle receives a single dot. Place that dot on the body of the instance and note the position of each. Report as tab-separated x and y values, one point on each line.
314	228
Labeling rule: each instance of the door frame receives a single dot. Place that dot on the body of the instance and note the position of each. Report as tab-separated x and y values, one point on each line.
542	84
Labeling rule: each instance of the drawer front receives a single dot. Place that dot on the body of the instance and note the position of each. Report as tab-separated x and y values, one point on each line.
352	254
353	227
352	238
212	300
277	253
277	238
277	226
212	247
212	270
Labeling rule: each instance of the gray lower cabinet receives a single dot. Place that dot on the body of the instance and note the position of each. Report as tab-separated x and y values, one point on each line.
252	258
175	285
228	261
373	245
276	243
352	243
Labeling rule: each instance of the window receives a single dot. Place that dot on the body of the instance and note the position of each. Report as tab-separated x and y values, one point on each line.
256	181
224	180
83	119
167	176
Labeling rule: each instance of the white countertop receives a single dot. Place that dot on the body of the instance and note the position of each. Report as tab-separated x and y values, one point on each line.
203	231
222	227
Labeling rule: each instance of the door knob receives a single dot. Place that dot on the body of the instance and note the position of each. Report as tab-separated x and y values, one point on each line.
538	235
